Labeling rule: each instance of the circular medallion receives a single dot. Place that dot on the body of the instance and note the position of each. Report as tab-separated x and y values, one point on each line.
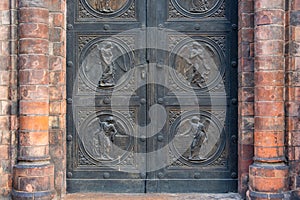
199	64
105	63
199	138
197	8
105	137
106	8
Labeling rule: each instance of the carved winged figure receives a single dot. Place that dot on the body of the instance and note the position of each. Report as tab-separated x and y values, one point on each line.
101	66
199	70
196	64
108	75
102	140
198	131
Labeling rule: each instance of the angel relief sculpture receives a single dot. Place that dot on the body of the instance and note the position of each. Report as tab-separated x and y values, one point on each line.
105	64
196	63
102	140
198	132
107	78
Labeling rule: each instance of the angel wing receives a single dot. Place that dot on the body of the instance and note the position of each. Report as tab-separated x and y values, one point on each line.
120	129
206	124
92	67
183	64
183	127
209	58
121	63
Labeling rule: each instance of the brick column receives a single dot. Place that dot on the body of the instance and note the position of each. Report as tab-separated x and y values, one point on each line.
33	175
268	176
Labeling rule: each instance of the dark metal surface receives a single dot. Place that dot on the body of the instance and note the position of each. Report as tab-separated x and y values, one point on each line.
186	69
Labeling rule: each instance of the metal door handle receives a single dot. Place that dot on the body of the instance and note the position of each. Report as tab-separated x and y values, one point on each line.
143	74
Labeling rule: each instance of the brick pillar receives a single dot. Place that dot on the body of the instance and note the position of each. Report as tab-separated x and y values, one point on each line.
268	176
33	175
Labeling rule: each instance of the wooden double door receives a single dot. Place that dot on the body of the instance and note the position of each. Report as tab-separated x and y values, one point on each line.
152	96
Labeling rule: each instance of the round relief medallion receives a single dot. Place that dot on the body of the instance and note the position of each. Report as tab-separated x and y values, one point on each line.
199	138
105	63
198	64
106	8
105	137
197	8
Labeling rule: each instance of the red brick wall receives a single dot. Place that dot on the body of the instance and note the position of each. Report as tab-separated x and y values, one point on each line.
57	92
8	94
246	90
293	94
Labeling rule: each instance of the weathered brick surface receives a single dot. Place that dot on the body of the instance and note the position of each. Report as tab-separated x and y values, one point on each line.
268	177
33	174
292	95
57	92
8	98
246	91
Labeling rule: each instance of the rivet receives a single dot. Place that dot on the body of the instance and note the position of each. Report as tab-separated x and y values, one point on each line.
234	64
234	139
160	100
160	175
143	175
160	138
70	64
69	26
197	27
233	175
106	175
106	100
234	101
69	138
143	139
234	26
106	27
69	100
69	174
197	175
143	101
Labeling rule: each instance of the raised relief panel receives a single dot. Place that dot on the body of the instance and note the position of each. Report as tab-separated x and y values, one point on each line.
196	8
199	64
198	139
106	9
105	138
105	63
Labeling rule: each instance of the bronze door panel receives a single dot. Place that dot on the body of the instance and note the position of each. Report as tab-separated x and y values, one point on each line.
152	96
